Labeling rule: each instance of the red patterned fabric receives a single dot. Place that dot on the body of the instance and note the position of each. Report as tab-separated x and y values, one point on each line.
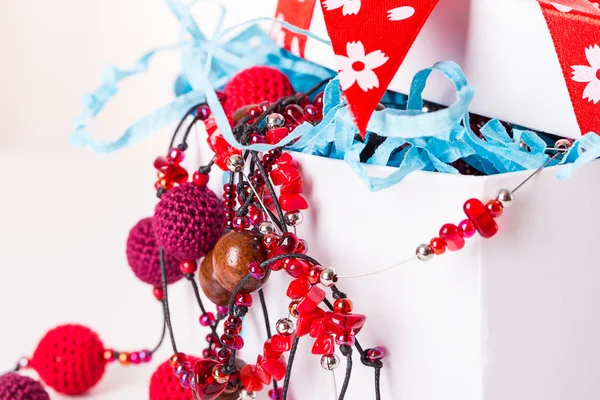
18	387
70	359
300	15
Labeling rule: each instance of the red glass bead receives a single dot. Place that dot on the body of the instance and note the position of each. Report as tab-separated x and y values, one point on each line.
287	159
276	394
345	339
224	355
256	270
293	308
312	300
207	319
345	323
134	358
217	143
276	367
263	375
229	215
481	218
288	243
285	174
234	321
229	195
255	111
241	223
268	349
450	234
276	135
376	354
438	245
228	204
108	356
207	353
238	343
175	155
206	386
200	179
318	101
302	248
178	359
281	343
158	293
232	329
305	321
295	187
324	345
188	266
243	299
124	358
250	378
270	240
203	112
466	228
211	338
319	328
495	208
314	274
292	202
296	267
298	288
211	126
343	306
264	105
312	113
255	138
294	113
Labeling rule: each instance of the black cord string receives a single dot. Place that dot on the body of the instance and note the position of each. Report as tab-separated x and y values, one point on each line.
263	303
280	222
167	313
346	351
187	114
265	264
213	327
288	371
377	383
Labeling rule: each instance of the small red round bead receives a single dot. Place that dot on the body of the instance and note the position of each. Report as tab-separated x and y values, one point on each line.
495	207
200	179
314	274
376	354
243	299
466	228
188	266
438	245
175	155
109	355
343	306
207	319
158	293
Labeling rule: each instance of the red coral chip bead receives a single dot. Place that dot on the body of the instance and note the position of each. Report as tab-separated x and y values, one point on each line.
287	159
305	321
481	217
298	288
276	135
250	378
319	328
268	349
288	243
295	187
263	375
275	366
495	208
296	267
324	345
345	323
438	245
450	234
211	126
175	155
206	386
285	174
281	343
312	300
292	202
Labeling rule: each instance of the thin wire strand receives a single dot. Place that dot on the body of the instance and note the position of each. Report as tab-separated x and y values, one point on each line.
269	215
335	391
401	263
167	313
537	171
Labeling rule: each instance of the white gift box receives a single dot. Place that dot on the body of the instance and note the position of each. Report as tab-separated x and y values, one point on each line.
511	317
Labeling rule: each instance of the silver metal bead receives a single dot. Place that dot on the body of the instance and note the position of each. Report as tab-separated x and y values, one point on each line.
330	362
266	227
563	144
505	197
285	326
275	120
524	146
293	218
329	277
235	163
424	252
246	395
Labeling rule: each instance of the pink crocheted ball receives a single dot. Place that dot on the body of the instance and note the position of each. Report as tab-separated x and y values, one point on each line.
18	387
255	85
188	221
143	256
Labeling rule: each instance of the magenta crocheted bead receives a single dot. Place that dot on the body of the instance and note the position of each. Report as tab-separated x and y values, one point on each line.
188	221
18	387
143	256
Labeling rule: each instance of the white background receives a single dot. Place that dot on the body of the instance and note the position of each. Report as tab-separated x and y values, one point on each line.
65	212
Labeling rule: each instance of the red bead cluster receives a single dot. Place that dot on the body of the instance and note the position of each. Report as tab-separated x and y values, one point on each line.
170	172
218	144
127	358
286	174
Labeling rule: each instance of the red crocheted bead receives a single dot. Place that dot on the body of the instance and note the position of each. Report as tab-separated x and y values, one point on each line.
143	256
188	221
18	387
164	385
70	359
255	85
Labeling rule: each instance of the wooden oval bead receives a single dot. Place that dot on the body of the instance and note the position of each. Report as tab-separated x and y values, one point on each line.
232	255
210	285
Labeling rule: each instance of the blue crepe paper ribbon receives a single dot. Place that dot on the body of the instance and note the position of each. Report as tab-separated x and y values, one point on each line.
416	140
